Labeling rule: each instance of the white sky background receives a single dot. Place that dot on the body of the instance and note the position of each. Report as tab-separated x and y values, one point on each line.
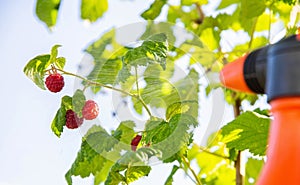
30	154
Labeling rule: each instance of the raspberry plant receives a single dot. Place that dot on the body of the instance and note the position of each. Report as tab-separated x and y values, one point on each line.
122	155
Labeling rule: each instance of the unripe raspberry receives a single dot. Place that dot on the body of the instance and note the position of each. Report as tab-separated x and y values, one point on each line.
55	82
135	141
72	120
90	110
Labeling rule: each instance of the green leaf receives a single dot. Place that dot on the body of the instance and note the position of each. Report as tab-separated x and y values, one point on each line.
264	21
108	69
93	9
205	160
226	3
124	73
59	120
124	133
78	102
131	166
90	159
160	93
191	2
105	72
170	137
47	11
101	175
258	42
54	53
178	108
253	168
282	9
154	28
222	174
169	180
215	168
57	61
153	50
253	8
135	172
154	10
290	2
60	62
247	131
198	51
36	69
98	49
211	38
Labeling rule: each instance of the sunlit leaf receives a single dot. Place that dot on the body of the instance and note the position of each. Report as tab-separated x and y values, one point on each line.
47	11
248	131
93	9
253	168
154	10
59	120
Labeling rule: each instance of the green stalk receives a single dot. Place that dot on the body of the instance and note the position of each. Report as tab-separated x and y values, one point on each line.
93	83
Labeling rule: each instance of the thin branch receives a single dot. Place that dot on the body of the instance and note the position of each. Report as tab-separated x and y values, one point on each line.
139	95
200	13
90	82
180	165
203	149
239	178
252	33
136	81
187	163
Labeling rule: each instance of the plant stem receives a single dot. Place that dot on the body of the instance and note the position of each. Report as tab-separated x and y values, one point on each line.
90	82
180	165
200	13
203	149
138	93
187	163
252	34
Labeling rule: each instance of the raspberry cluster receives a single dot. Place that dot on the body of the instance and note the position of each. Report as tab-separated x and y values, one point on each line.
90	111
54	83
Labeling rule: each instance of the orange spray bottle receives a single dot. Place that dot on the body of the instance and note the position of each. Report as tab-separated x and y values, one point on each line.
274	70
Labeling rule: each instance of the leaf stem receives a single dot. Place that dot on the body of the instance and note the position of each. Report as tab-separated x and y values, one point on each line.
139	97
200	13
90	82
252	34
181	166
203	149
187	163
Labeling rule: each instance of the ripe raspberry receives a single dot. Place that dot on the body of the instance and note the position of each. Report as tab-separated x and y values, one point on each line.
90	110
72	120
55	82
135	141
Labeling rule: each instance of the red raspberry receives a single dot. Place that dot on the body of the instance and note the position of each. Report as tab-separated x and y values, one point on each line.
72	120
90	110
135	141
55	82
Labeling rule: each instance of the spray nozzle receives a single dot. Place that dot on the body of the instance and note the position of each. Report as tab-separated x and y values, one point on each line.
273	70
